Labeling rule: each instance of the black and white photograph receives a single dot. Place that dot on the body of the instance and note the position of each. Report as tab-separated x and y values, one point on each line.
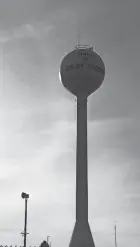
69	123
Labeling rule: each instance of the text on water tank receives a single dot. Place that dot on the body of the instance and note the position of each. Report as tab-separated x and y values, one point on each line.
89	66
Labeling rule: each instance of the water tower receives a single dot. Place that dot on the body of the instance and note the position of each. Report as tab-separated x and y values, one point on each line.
82	72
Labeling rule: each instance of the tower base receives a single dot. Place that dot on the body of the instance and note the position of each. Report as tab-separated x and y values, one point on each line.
81	236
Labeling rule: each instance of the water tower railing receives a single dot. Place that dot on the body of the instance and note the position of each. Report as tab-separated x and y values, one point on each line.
83	47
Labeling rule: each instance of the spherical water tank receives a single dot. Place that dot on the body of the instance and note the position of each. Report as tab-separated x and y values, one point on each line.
82	71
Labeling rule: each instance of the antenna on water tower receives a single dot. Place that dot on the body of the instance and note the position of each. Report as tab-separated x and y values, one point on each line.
78	34
79	42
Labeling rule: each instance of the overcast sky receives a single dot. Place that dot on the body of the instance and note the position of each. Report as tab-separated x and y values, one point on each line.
38	120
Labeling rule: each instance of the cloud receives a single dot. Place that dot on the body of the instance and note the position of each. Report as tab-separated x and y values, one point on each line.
32	30
115	134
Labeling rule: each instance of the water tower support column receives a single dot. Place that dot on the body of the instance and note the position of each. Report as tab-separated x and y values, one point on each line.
81	236
81	161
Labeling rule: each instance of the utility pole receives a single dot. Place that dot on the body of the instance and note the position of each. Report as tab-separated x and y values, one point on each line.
24	234
115	234
48	239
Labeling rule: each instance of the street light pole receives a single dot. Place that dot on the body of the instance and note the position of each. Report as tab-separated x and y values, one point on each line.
25	223
25	196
